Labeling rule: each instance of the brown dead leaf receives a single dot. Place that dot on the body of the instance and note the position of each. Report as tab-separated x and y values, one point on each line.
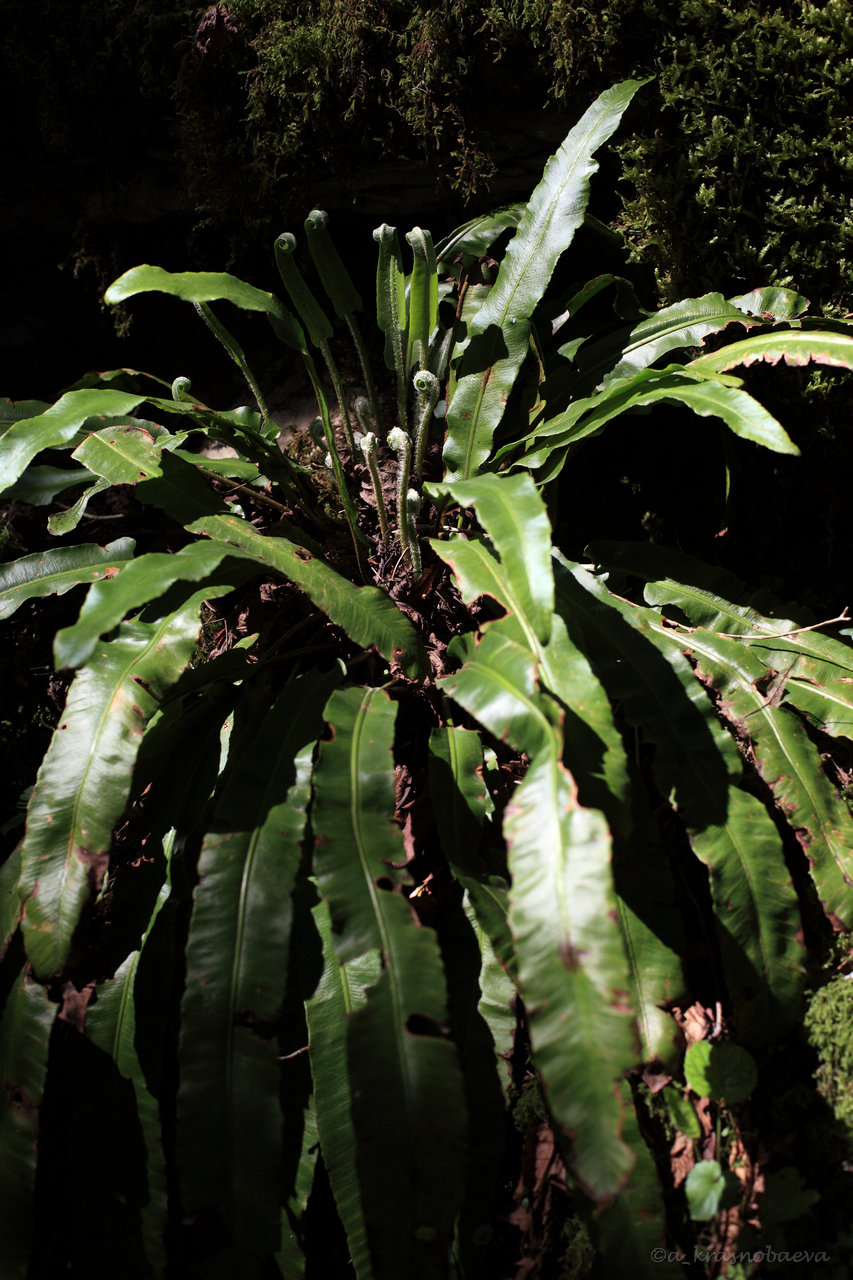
74	1004
681	1158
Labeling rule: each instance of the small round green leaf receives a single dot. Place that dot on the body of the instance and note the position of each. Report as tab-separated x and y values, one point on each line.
704	1186
724	1072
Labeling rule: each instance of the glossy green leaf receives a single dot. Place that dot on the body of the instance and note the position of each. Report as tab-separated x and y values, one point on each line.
46	573
740	651
456	775
24	1038
229	1121
829	706
196	286
514	516
144	579
572	968
478	234
684	324
423	296
84	779
57	426
310	312
407	1102
522	582
789	346
500	332
367	614
654	944
554	212
497	685
721	1071
10	903
789	764
772	303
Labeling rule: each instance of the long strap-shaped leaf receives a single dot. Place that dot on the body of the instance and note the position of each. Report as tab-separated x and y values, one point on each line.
24	1038
367	614
480	990
522	581
592	745
111	1024
330	998
47	573
587	417
788	763
84	779
144	579
800	346
757	916
407	1095
501	330
628	1233
571	961
229	1122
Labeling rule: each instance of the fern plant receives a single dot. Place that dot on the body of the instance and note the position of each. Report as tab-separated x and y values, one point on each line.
319	902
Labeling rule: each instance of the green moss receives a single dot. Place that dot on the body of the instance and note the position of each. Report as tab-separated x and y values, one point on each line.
829	1026
749	174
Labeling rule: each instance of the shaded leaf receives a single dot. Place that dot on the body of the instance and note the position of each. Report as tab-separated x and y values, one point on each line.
721	1071
629	1232
24	1037
697	762
407	1103
111	1024
330	999
38	486
705	1187
229	1120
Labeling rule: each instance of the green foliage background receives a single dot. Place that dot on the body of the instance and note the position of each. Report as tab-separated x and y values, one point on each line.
738	171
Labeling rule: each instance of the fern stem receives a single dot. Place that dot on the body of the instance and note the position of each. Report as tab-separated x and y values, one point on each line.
368	448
